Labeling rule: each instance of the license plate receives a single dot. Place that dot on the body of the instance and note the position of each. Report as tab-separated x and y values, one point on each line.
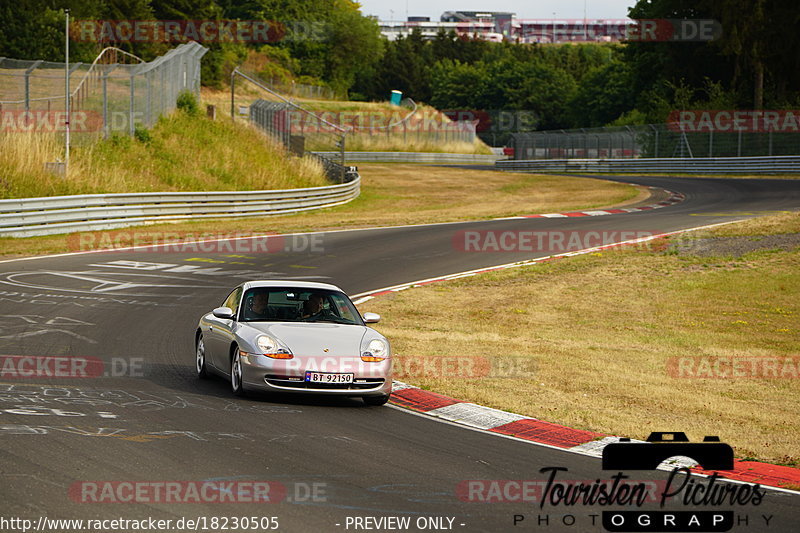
328	377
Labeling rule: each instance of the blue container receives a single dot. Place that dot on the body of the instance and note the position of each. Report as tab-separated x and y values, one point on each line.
396	97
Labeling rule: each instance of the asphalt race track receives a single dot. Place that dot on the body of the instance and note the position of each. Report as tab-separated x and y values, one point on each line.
150	419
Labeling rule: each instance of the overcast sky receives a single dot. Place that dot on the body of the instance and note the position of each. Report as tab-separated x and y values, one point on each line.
525	9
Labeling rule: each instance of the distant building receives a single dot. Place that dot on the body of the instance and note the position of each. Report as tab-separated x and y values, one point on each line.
501	25
392	29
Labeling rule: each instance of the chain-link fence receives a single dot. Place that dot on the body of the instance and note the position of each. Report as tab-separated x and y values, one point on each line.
279	117
410	127
275	118
652	140
301	90
115	93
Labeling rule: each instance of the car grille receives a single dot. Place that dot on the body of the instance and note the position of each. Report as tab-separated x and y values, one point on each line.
290	382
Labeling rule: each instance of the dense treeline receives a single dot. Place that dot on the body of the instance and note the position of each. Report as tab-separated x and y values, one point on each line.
325	42
755	64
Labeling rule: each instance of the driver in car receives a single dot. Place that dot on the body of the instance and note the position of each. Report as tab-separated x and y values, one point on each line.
313	308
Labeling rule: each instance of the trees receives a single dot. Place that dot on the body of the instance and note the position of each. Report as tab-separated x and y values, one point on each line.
603	96
755	63
755	60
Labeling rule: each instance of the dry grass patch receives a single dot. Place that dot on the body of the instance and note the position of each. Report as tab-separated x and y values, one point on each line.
404	194
602	329
183	153
397	139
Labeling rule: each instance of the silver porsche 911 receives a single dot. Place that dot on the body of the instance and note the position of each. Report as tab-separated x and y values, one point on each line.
288	336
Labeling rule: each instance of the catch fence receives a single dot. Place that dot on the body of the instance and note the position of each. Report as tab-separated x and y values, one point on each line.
652	140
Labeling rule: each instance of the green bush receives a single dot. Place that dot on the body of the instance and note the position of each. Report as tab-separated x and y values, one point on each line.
187	102
142	134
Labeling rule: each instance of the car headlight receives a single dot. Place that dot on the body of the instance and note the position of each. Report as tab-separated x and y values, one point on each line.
376	351
270	347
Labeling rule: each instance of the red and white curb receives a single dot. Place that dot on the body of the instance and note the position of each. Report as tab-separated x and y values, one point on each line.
547	433
674	198
571	440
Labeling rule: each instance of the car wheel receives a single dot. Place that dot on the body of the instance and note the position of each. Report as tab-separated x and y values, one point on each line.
376	400
200	358
236	372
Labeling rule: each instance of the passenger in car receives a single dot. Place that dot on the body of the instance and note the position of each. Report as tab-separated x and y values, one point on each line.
259	306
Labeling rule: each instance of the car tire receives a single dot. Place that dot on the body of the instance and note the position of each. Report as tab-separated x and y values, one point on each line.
376	400
236	372
200	358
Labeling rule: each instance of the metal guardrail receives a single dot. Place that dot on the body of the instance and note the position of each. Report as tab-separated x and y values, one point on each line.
417	157
27	217
697	165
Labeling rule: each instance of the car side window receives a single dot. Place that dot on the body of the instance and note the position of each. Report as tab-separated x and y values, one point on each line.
232	300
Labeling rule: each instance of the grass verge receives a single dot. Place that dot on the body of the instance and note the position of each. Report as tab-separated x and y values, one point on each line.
180	153
402	194
601	330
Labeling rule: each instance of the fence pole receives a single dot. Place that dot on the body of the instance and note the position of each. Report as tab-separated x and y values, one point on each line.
105	105
769	133
28	72
711	143
739	144
233	85
147	100
131	106
655	139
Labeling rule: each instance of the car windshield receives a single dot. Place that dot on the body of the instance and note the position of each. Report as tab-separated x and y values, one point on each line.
274	304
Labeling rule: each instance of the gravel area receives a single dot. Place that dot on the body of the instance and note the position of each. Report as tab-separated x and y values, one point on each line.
734	246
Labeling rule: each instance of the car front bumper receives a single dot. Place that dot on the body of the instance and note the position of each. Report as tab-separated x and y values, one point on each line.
288	375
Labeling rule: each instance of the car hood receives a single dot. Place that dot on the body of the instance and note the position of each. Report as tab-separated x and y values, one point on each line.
316	339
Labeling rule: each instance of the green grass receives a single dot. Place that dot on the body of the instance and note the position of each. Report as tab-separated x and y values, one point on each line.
180	153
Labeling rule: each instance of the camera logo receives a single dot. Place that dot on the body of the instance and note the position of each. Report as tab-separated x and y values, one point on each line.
711	454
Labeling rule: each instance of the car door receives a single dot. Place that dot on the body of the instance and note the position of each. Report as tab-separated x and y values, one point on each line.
220	332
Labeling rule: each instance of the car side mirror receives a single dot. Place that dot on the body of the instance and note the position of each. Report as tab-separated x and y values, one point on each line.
372	318
223	312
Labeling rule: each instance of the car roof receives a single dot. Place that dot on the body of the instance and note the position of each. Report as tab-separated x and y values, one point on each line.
290	284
